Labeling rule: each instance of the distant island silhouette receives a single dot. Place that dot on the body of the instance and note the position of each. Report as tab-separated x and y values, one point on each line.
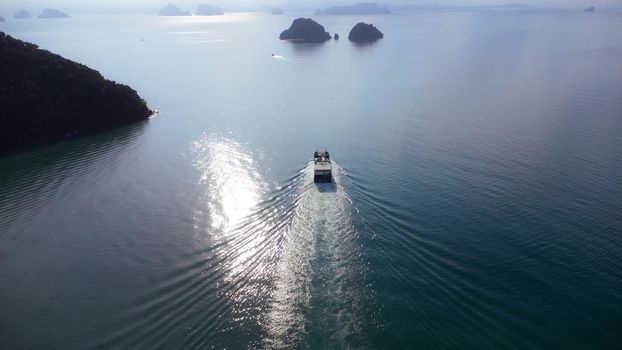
53	13
45	98
172	10
363	33
363	8
21	14
208	10
406	7
278	11
305	30
590	9
2	19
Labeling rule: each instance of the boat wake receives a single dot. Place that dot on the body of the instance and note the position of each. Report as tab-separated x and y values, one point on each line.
294	272
282	272
319	286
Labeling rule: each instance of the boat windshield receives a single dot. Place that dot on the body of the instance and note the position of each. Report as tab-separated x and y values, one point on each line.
321	156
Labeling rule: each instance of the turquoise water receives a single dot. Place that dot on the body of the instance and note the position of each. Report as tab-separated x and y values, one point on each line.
477	201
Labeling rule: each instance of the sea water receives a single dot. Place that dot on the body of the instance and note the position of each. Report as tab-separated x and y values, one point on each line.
477	200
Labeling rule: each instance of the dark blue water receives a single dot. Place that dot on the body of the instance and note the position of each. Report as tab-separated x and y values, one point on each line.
477	200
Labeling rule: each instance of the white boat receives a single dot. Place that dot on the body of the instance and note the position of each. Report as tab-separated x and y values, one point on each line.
322	166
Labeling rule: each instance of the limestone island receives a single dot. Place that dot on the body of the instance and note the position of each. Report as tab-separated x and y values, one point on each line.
363	8
305	30
590	9
53	13
172	10
278	11
2	19
209	10
364	33
46	98
21	14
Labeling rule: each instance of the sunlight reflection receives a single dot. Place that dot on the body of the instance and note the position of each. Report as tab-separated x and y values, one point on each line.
234	187
233	184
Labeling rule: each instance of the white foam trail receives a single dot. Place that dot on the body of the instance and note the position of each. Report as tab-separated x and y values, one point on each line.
316	264
290	265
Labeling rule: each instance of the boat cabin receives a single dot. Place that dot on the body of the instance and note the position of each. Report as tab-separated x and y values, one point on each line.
322	166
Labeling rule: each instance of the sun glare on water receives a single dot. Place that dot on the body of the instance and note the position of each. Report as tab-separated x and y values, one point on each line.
234	186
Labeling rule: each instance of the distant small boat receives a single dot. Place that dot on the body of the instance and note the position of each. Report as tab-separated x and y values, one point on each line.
322	166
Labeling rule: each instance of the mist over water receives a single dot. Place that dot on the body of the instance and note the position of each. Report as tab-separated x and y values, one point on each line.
476	198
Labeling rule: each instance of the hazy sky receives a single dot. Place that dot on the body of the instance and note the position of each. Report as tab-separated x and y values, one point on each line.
35	6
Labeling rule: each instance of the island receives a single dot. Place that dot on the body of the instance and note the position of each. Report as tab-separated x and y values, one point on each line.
305	30
363	8
53	13
278	11
46	98
208	10
2	19
336	36
364	33
590	9
21	14
172	10
406	7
